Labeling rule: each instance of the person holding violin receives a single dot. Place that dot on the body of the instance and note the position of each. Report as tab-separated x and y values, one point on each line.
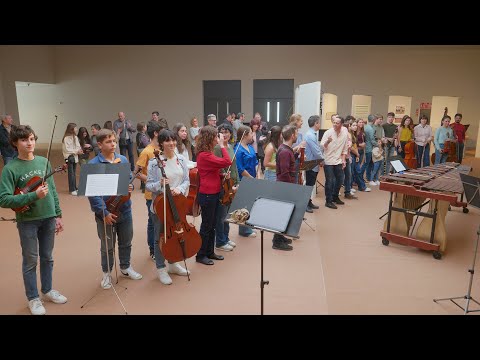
246	161
176	171
443	135
38	225
114	225
153	130
209	167
222	228
313	151
459	131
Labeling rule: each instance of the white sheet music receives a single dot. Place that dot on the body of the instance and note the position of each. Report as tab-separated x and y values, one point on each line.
101	184
397	165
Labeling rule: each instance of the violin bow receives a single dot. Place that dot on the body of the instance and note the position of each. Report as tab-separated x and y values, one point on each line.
235	153
49	149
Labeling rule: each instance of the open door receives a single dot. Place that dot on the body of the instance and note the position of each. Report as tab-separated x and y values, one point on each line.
308	102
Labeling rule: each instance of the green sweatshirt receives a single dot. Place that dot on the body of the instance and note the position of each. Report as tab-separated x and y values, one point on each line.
17	173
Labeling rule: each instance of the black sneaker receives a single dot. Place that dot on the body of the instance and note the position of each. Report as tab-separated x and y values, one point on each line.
331	205
309	209
282	246
312	205
286	240
152	255
338	202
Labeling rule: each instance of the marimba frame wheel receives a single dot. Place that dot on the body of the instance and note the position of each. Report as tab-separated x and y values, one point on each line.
385	241
437	255
465	210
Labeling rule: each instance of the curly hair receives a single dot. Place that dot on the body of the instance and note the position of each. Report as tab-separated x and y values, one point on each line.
205	140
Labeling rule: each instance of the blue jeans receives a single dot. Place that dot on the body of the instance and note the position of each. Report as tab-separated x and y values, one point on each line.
367	166
440	157
356	174
222	228
33	233
376	170
389	150
347	182
129	148
209	205
150	227
426	155
124	229
334	177
270	175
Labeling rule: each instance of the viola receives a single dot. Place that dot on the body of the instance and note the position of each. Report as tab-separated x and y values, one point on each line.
228	184
114	203
33	184
193	209
180	240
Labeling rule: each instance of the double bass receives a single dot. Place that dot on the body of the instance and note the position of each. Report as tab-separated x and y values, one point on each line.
180	240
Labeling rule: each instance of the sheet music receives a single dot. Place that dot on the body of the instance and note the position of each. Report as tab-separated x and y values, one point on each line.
101	184
397	165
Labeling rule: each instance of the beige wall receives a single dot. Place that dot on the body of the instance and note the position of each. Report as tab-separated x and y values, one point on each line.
23	63
95	82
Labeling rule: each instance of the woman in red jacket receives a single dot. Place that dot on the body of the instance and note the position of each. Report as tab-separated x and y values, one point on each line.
209	167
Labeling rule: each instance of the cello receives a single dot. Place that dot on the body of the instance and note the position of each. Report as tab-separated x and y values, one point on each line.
193	209
409	149
180	240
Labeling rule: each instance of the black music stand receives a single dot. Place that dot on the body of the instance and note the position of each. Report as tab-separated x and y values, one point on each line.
252	190
395	167
105	179
471	186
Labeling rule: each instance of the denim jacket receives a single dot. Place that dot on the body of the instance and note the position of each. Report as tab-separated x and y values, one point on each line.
154	175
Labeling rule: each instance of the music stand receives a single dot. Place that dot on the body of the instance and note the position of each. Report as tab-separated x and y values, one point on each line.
252	190
471	186
398	165
320	135
105	179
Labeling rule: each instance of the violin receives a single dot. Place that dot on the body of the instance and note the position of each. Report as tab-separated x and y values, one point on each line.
302	160
180	240
33	184
228	184
114	203
193	209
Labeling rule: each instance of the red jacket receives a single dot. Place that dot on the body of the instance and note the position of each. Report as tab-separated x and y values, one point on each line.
209	167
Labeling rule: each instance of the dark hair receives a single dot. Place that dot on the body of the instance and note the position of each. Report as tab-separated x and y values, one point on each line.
140	126
224	126
83	140
181	143
204	142
254	122
156	113
273	137
166	135
446	117
390	114
96	126
312	120
152	128
458	114
108	125
20	132
424	117
402	124
70	131
288	131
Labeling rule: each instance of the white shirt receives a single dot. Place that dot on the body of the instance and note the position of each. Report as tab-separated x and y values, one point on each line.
333	152
71	146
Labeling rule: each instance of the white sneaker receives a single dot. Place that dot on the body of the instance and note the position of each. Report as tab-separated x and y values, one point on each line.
132	274
231	243
254	234
352	191
178	269
225	247
378	182
367	189
165	279
106	282
74	193
36	307
56	297
372	183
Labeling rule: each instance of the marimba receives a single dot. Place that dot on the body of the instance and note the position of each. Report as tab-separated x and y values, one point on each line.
439	186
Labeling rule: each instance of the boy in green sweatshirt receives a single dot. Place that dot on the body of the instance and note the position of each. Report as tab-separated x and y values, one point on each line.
38	225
